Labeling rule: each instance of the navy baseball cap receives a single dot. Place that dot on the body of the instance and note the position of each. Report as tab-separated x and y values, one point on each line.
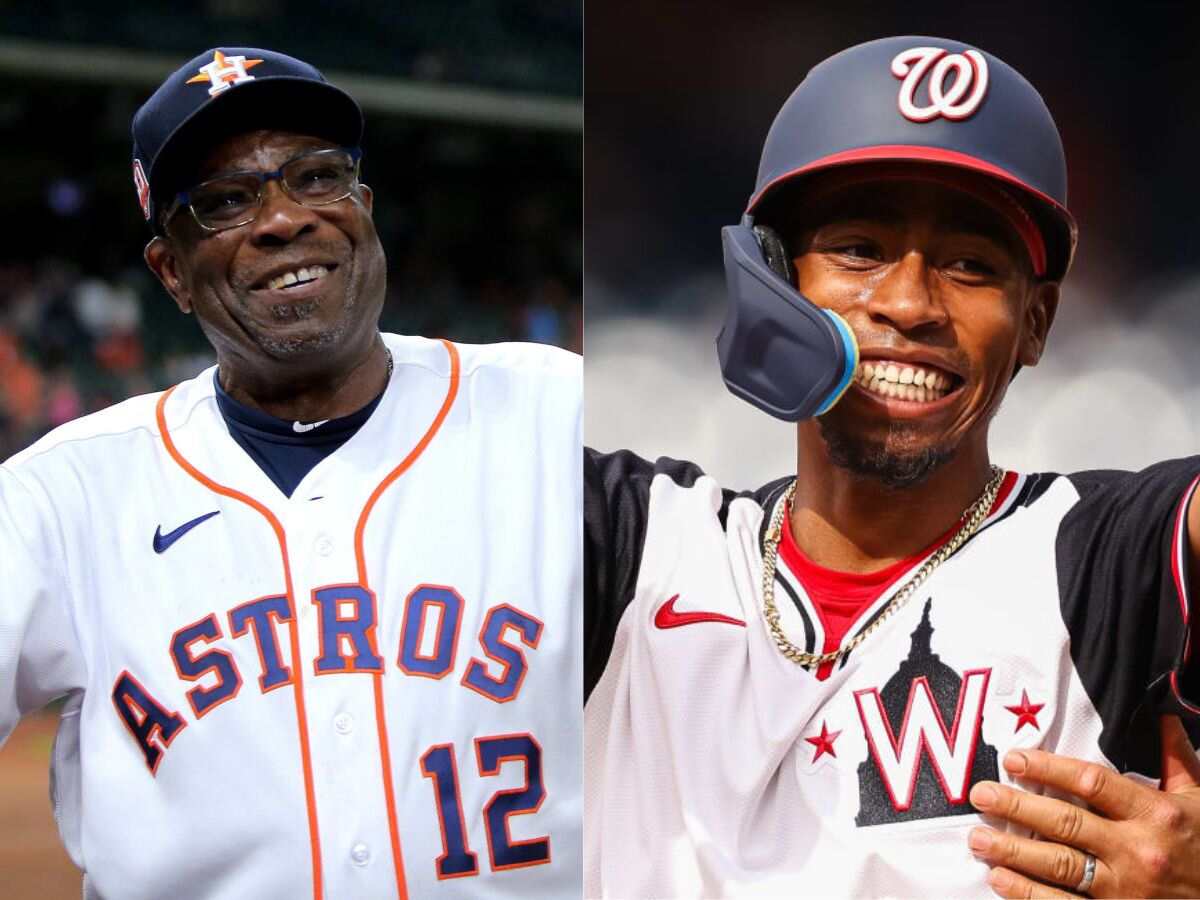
223	92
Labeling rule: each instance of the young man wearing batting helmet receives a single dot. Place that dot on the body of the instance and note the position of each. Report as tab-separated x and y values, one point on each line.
304	649
819	686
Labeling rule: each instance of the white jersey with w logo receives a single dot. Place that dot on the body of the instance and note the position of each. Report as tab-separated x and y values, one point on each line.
715	767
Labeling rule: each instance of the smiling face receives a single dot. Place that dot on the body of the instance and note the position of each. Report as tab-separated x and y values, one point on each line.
296	292
938	289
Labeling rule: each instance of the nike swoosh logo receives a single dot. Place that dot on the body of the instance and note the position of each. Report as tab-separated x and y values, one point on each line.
300	427
163	541
666	617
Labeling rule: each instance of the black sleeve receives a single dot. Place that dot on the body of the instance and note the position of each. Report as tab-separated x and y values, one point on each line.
1122	575
616	500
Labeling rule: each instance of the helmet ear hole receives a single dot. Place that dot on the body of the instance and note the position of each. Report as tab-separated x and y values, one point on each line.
775	254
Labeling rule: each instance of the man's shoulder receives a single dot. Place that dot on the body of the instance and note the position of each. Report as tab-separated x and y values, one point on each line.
683	473
1101	477
93	434
1094	483
518	356
621	466
511	356
628	479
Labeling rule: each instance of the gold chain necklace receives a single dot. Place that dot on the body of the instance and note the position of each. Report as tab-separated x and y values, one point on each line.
974	516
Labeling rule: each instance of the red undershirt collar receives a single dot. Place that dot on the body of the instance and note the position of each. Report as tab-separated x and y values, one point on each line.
840	598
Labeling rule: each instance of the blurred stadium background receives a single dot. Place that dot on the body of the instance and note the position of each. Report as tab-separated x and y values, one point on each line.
474	149
679	99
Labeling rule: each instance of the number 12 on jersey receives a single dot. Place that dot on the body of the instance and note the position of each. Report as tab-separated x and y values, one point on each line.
439	765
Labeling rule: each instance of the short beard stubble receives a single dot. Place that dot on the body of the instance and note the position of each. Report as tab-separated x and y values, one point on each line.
869	459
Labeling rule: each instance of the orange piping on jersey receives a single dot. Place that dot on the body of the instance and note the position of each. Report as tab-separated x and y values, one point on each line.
293	634
385	755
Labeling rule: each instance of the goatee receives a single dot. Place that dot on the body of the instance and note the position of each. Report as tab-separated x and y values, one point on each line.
869	459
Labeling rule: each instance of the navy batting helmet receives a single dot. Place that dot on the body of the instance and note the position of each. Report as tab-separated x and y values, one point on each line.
909	99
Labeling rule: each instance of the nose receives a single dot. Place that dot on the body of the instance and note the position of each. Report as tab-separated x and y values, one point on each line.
907	295
281	219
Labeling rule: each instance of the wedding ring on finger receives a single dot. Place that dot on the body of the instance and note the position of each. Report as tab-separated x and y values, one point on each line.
1089	874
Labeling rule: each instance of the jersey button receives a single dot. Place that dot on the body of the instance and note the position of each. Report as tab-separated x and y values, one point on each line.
360	853
343	723
323	545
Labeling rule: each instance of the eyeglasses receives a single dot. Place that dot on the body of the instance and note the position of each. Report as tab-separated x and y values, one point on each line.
317	178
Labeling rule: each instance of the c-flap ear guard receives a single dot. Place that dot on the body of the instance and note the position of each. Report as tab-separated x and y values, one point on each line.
778	350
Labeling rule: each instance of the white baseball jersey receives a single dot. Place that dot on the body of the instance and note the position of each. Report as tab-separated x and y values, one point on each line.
354	692
718	768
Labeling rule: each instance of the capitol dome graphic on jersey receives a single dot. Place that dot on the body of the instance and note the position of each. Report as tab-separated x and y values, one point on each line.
886	790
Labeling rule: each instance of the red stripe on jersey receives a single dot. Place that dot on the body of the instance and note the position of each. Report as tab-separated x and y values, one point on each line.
841	598
1177	553
1178	540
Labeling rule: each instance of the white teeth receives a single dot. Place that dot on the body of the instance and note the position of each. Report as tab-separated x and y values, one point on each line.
311	273
910	383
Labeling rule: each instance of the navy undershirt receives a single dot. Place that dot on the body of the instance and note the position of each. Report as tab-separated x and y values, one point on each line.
284	454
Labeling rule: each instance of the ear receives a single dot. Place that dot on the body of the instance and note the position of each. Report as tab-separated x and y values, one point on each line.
1039	316
367	195
163	260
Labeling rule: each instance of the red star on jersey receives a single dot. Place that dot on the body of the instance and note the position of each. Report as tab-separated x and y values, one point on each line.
1026	712
824	742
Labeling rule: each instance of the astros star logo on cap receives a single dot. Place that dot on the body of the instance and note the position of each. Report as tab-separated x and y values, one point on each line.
224	72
